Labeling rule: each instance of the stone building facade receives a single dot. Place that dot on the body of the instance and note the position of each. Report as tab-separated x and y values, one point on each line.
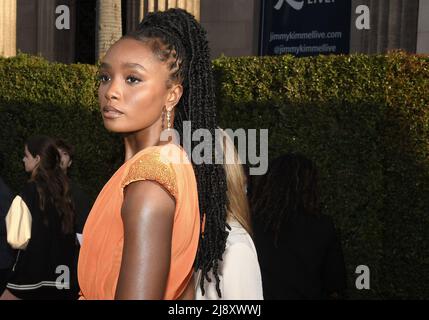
233	26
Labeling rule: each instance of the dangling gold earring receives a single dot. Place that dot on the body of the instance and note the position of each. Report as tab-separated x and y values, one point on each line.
168	120
163	119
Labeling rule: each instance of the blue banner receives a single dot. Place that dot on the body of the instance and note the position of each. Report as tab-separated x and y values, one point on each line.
305	27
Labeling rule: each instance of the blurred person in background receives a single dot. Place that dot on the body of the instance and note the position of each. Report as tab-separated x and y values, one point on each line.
298	247
81	201
46	264
6	253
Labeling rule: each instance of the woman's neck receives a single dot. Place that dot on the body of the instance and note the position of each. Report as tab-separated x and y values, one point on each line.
136	142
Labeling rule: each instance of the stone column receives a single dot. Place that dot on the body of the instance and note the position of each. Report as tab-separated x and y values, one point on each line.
181	4
190	6
161	5
151	5
108	25
8	28
172	4
196	11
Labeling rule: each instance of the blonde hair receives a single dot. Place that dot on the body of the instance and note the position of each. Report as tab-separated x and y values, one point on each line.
237	205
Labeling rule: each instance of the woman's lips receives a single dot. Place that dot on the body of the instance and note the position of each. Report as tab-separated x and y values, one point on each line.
110	112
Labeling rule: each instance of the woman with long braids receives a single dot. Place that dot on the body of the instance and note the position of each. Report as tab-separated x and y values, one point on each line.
298	249
45	267
142	237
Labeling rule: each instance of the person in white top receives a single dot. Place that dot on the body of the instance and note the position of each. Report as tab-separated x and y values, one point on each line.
239	272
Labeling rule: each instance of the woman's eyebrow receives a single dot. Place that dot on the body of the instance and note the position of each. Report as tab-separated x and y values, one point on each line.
127	65
133	66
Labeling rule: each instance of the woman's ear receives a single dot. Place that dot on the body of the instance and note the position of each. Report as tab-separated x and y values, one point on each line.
174	96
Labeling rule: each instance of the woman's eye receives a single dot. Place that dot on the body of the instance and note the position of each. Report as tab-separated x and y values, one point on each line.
103	78
133	80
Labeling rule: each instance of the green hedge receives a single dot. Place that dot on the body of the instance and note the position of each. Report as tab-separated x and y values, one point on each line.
365	122
38	97
363	119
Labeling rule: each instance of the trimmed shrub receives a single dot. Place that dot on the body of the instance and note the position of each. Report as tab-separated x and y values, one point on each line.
363	119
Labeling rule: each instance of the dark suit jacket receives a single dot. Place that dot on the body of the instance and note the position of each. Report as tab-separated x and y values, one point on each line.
6	253
81	204
308	262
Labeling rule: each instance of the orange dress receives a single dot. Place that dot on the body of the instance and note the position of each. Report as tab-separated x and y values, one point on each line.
103	236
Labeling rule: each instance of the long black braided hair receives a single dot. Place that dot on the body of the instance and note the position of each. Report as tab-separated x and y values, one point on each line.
177	39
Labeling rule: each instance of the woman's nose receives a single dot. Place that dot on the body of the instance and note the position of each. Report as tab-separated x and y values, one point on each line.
113	91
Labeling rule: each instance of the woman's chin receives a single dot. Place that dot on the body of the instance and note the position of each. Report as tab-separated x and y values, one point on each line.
117	129
112	127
